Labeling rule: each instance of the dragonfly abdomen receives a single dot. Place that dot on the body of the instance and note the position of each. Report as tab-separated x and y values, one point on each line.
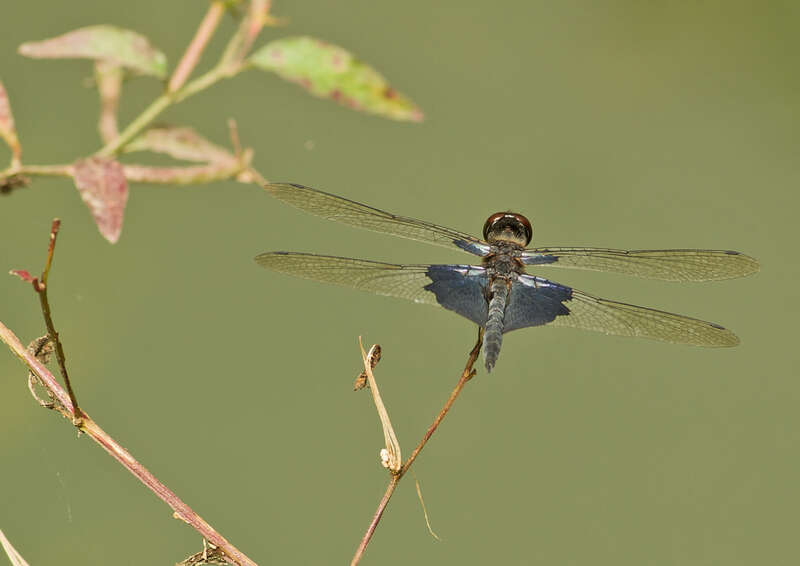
493	335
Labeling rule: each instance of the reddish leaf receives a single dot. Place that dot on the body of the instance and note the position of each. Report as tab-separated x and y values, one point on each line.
22	274
7	129
102	185
108	43
332	72
180	143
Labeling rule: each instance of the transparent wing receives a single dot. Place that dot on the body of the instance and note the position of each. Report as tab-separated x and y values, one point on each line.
394	280
669	265
363	216
390	279
621	319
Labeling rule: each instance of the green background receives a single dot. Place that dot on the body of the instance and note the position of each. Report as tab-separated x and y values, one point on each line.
618	124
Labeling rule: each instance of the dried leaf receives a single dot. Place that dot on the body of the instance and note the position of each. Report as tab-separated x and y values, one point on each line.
329	71
13	182
209	555
362	380
7	129
390	454
42	349
180	143
102	185
109	43
22	274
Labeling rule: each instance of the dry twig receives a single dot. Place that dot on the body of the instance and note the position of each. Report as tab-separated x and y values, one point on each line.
466	375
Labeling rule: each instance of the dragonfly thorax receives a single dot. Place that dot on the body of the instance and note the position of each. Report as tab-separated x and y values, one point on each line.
508	227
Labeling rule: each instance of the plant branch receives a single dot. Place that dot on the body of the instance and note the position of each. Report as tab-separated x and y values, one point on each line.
28	358
196	47
67	405
257	17
229	64
14	556
42	170
134	128
93	430
466	375
41	289
109	85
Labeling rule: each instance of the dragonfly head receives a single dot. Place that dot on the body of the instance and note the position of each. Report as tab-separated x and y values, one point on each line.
508	227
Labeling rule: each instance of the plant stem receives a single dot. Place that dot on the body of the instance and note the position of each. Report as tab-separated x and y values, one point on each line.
109	86
375	519
162	103
139	123
229	64
93	430
41	289
195	48
466	375
42	170
205	80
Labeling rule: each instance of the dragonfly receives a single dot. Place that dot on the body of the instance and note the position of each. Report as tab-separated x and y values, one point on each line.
498	295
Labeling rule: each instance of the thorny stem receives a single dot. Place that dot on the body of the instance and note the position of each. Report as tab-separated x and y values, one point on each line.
466	375
41	288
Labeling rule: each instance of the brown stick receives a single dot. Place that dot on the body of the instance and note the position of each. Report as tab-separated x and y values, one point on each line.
466	375
91	428
67	405
41	289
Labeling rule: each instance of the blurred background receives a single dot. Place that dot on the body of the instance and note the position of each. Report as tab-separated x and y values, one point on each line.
615	124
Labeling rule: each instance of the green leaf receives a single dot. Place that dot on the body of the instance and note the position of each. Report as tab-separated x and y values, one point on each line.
116	45
332	72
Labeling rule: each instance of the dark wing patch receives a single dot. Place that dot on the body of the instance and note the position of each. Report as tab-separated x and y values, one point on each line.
668	265
360	215
611	317
534	301
461	289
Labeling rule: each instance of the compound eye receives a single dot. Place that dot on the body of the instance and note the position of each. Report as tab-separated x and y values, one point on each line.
508	227
490	222
526	224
